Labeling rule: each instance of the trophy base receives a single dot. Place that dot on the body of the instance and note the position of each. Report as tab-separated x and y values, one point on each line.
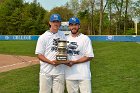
61	58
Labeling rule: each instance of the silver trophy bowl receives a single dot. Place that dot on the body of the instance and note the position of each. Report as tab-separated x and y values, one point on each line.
62	51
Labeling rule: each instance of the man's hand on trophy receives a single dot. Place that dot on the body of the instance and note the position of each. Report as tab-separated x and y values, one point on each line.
70	63
65	62
55	62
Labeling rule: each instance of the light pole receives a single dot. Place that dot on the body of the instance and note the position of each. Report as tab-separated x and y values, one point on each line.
136	30
136	21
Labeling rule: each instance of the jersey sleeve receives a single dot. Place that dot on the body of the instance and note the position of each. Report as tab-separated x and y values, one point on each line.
88	50
40	46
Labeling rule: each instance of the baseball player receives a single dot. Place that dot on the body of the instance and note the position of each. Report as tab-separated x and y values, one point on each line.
51	73
80	52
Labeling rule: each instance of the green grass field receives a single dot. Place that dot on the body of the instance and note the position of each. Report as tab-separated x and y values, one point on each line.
115	68
17	47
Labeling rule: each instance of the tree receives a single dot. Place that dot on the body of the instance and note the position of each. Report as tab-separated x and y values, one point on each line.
87	6
63	11
1	1
126	16
74	6
7	8
85	16
17	17
33	19
101	17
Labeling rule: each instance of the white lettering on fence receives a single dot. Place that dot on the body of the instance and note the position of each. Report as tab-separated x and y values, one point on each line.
22	37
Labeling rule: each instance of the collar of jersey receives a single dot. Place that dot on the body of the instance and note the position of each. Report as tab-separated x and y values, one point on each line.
52	32
77	35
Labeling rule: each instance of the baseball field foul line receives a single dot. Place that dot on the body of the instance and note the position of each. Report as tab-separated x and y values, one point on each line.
18	63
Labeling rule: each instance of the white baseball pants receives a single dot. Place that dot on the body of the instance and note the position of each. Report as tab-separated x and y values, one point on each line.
54	83
73	86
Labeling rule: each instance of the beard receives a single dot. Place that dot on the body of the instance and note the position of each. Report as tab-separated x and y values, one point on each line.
74	32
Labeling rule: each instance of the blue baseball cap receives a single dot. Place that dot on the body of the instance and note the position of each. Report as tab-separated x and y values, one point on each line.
74	20
55	17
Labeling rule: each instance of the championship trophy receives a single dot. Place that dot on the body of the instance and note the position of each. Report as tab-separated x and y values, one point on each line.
61	56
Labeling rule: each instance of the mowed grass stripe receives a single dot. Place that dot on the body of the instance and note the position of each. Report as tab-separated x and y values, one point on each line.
17	47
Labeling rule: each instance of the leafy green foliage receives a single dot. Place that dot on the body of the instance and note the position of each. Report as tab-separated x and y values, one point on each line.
19	18
63	11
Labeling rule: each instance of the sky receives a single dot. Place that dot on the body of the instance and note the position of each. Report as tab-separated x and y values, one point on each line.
50	4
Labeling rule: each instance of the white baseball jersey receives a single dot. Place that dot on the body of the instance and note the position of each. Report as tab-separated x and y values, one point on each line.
79	47
47	46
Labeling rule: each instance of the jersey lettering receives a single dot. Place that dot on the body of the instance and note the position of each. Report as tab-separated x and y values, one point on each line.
55	44
72	49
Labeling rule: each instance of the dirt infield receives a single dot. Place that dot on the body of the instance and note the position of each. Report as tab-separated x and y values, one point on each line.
9	62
